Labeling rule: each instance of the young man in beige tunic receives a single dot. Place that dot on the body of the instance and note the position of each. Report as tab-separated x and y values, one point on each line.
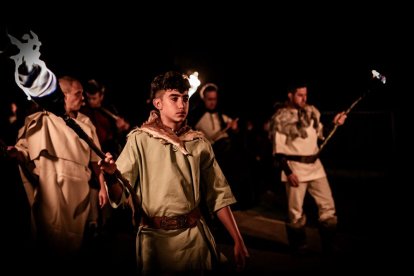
173	170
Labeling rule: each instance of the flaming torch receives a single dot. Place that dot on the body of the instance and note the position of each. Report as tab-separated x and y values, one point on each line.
40	85
375	75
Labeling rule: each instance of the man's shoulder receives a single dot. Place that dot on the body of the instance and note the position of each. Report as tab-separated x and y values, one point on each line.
82	117
192	135
38	116
312	108
279	105
282	111
85	119
136	132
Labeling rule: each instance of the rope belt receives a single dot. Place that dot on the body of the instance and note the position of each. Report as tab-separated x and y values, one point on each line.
188	220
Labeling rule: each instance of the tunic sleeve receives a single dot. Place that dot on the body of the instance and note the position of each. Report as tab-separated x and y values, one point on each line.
127	162
214	184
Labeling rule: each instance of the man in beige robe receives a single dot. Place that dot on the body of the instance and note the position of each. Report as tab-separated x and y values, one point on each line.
55	167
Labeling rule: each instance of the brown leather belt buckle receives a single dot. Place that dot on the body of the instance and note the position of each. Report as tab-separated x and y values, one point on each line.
173	223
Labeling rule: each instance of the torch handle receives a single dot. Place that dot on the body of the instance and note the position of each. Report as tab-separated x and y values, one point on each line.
112	115
353	104
82	134
336	124
327	139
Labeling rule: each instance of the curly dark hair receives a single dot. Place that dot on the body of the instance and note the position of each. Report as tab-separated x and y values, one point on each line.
169	80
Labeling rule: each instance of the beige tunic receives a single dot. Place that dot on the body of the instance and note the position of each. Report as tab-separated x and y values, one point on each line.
59	159
171	182
303	142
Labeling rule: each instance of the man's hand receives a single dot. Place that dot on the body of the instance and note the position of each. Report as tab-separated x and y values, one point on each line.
340	118
233	124
107	165
103	198
122	124
293	180
241	255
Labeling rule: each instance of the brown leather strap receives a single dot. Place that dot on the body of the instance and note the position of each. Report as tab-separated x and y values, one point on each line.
299	158
173	223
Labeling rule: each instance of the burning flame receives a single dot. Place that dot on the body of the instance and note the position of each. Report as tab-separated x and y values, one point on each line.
194	83
31	73
377	75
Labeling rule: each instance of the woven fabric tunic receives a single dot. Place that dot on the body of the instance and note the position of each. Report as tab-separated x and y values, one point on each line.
171	176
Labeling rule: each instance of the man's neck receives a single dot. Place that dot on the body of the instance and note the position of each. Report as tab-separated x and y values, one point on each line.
174	127
212	110
295	106
73	114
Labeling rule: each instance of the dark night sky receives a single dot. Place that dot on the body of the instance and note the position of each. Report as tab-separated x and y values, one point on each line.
252	51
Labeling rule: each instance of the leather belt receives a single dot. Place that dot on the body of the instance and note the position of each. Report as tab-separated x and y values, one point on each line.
299	158
188	220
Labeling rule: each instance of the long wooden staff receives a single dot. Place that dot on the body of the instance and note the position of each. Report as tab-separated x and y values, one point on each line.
82	134
375	75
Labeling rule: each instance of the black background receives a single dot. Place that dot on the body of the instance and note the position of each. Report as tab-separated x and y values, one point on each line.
252	51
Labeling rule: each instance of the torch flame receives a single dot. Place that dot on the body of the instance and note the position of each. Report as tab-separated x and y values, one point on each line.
377	75
31	73
194	83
